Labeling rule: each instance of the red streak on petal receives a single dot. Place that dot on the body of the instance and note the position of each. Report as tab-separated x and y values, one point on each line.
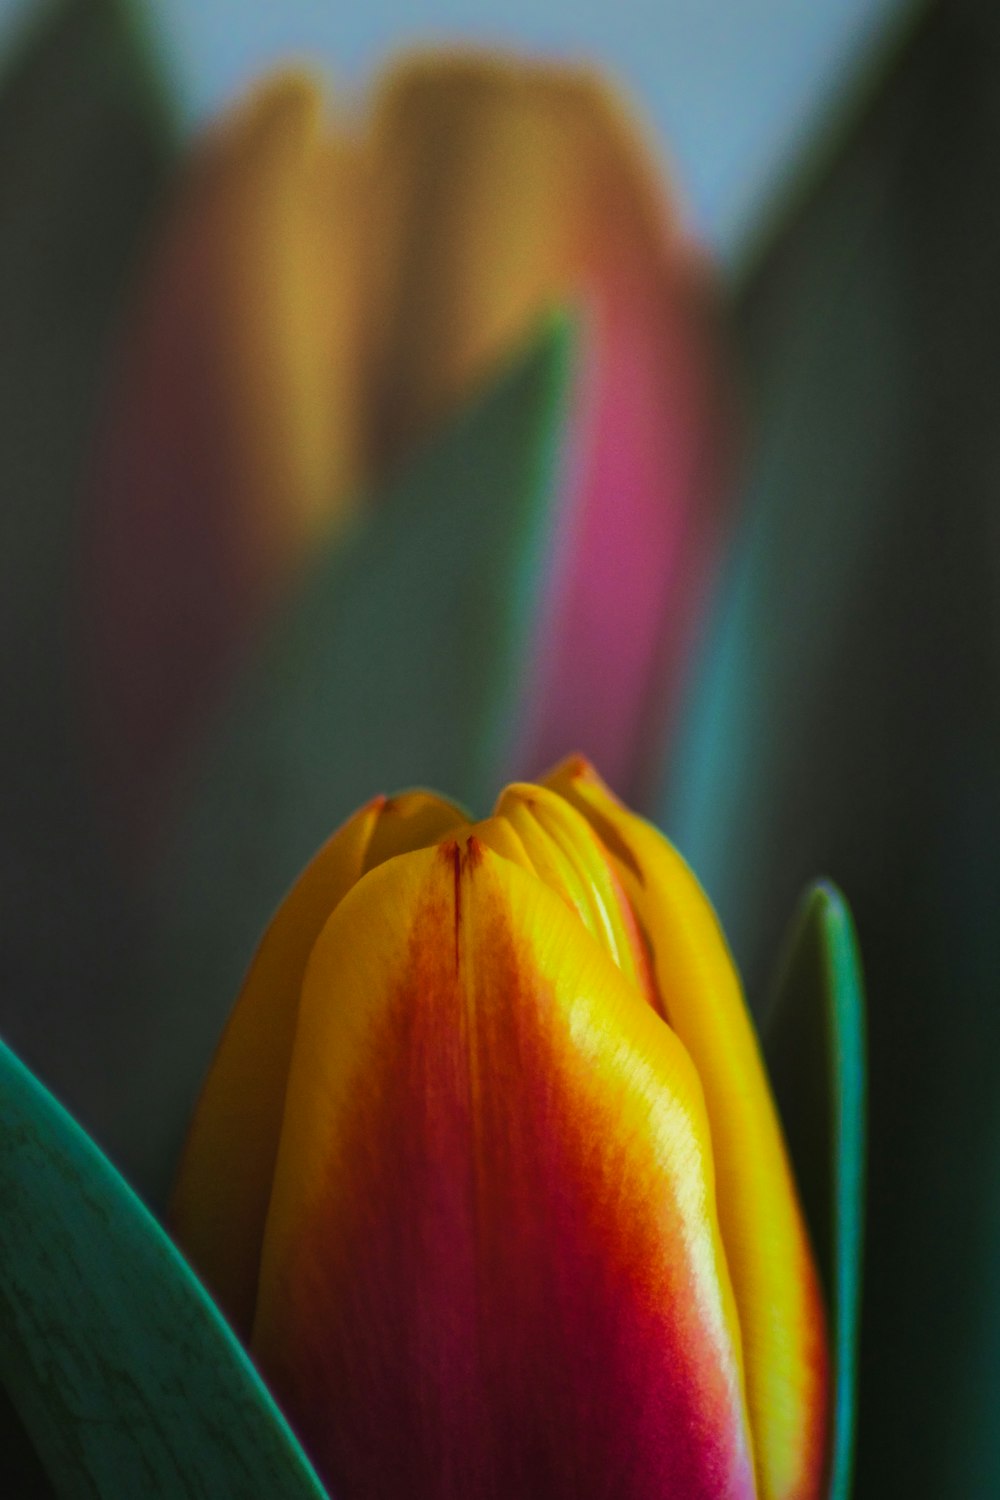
492	1298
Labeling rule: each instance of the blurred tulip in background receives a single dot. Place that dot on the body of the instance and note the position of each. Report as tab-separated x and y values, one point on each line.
319	297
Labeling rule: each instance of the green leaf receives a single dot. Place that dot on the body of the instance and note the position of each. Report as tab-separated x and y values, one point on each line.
84	149
814	1042
120	1367
397	664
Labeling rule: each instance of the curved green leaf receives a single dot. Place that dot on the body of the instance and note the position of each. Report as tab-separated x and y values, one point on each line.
120	1367
814	1042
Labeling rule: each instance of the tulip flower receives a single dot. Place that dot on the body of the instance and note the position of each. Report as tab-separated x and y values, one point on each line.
488	1173
318	299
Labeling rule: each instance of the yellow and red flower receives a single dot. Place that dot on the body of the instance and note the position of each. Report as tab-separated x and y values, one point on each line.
488	1172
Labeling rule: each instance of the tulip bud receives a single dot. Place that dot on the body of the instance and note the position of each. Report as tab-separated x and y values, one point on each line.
488	1172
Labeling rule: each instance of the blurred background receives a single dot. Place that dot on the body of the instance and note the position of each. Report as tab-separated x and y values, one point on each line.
740	92
840	712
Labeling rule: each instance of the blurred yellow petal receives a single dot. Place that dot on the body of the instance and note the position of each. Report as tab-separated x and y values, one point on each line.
224	1184
288	209
495	184
492	1265
774	1279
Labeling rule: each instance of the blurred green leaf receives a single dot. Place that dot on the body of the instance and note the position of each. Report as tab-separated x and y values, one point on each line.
84	146
123	1372
815	1049
398	664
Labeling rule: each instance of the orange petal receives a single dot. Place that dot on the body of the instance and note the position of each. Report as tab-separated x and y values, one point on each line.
774	1277
492	1266
224	1183
232	436
501	190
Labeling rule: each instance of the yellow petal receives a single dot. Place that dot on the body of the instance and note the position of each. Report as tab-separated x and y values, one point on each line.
224	1184
498	834
492	1252
284	201
496	186
774	1278
570	858
410	820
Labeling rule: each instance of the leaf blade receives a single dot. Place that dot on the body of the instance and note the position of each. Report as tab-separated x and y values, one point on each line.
814	1043
120	1367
